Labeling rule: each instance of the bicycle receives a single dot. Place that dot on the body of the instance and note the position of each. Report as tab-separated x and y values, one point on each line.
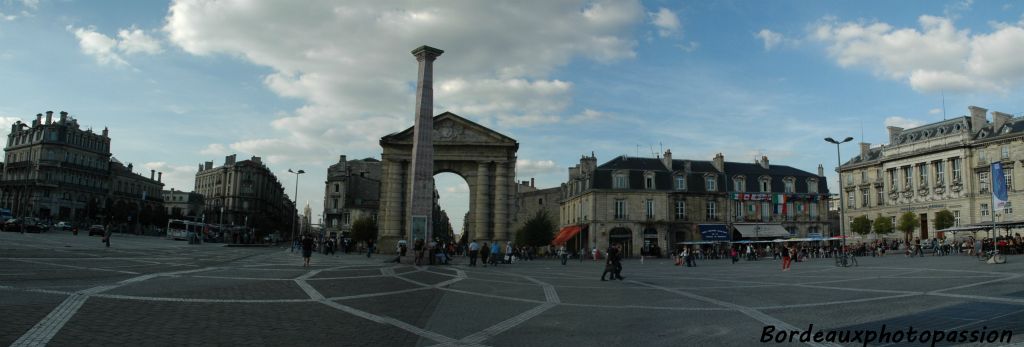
993	257
846	260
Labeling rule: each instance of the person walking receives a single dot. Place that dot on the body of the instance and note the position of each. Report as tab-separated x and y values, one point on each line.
734	255
785	258
307	249
691	260
609	264
369	248
485	252
106	235
508	252
563	254
474	250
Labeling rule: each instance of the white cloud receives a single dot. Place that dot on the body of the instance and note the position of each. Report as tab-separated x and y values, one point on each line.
97	45
214	149
179	177
495	70
107	50
770	38
935	111
32	4
7	121
135	40
938	56
905	123
7	17
666	21
530	168
587	115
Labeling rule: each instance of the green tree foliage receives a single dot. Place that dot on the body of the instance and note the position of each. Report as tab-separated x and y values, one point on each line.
364	229
943	219
538	231
861	225
883	225
907	223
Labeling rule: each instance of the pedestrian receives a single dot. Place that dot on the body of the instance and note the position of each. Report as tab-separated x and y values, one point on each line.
495	253
563	254
485	252
369	248
609	265
785	258
734	255
106	235
690	260
307	249
508	252
474	250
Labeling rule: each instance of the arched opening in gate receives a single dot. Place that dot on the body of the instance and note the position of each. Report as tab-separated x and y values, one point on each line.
450	207
624	237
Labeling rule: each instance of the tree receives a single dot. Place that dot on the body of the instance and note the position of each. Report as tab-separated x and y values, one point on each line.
907	223
538	231
943	219
883	226
861	225
364	229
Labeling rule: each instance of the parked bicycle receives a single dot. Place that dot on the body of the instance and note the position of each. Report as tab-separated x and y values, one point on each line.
846	259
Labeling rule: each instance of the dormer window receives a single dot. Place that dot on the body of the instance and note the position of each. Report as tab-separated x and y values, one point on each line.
766	185
812	186
788	185
681	182
649	180
621	181
739	184
711	183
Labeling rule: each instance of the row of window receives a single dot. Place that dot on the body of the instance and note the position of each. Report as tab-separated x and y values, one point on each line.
80	140
621	181
741	208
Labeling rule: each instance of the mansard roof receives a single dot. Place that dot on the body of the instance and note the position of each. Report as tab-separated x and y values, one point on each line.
664	178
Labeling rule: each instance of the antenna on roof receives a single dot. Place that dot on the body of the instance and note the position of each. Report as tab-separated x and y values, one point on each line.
862	131
638	150
653	153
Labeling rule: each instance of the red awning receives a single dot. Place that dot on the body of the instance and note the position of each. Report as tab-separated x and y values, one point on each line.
565	234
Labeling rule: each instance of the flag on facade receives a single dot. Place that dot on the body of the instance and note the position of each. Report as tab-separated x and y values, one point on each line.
999	196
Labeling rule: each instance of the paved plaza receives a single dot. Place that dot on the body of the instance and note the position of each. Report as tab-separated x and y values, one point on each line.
65	290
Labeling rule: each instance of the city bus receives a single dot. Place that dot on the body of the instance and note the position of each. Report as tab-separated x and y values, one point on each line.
181	229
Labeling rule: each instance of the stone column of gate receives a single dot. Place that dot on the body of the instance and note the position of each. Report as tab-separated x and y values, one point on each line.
482	187
391	205
501	202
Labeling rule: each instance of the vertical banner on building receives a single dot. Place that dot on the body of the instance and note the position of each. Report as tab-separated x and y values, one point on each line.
999	196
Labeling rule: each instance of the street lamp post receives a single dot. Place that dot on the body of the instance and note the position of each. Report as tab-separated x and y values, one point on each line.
842	200
296	205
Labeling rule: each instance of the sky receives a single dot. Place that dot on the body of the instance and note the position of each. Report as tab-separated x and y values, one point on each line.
300	83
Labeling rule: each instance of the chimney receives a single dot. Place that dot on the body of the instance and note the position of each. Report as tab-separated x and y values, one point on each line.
999	119
49	117
687	167
159	176
229	160
893	132
764	162
256	160
978	118
342	159
151	173
129	167
63	116
719	162
864	148
38	121
532	182
667	159
821	170
209	165
106	132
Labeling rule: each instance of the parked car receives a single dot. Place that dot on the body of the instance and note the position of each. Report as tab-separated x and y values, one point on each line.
63	226
31	225
97	230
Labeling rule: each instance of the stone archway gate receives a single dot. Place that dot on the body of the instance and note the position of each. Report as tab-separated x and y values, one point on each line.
483	157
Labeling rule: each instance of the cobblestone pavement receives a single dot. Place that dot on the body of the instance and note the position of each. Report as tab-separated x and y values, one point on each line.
65	290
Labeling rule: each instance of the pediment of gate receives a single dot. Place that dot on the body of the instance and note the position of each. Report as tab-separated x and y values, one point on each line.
451	129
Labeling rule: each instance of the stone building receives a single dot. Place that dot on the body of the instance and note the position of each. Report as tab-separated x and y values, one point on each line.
245	193
530	200
56	170
351	192
652	204
183	205
939	166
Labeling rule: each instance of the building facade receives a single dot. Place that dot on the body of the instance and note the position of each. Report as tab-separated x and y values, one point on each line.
55	170
351	192
245	193
649	205
939	166
530	201
183	205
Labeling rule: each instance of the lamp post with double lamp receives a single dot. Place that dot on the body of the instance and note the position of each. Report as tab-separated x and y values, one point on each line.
842	200
297	173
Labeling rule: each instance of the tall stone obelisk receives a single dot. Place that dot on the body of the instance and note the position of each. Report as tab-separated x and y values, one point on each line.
421	193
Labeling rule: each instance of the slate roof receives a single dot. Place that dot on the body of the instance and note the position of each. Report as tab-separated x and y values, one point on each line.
664	178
